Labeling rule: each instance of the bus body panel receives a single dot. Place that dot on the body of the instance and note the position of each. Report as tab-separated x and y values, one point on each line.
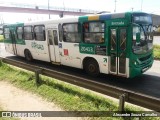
39	50
9	48
20	50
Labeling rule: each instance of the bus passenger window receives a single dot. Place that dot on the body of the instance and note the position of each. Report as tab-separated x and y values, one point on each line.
39	31
19	33
6	33
71	33
93	32
28	33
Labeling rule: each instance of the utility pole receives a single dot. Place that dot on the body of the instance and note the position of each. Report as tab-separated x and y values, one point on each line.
132	9
63	5
49	10
115	5
141	4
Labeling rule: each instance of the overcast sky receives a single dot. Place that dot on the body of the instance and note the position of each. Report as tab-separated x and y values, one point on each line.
150	6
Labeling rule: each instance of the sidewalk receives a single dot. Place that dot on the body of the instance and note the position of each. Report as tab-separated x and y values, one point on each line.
15	99
155	67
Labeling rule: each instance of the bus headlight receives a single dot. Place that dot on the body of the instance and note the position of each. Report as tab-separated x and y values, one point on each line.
135	63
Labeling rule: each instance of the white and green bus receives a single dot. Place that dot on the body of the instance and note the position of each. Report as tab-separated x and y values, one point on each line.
119	44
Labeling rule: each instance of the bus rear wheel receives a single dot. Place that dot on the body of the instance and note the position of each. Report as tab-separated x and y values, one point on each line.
91	67
28	55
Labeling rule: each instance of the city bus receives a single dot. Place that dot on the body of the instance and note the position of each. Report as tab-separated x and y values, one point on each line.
120	43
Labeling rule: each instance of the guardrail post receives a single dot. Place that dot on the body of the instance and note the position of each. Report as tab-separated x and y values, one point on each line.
121	102
37	72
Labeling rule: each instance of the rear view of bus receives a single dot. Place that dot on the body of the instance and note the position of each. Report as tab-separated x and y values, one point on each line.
141	57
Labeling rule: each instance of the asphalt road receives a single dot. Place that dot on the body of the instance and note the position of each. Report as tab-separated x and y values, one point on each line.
148	83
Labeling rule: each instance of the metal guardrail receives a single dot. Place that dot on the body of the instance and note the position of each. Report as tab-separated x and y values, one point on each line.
129	96
156	34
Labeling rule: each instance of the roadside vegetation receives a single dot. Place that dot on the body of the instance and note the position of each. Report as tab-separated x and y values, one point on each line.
156	52
66	96
1	38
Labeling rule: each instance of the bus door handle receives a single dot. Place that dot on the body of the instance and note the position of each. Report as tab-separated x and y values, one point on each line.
76	45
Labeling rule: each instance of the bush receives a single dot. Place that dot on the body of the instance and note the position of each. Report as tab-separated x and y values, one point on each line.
1	38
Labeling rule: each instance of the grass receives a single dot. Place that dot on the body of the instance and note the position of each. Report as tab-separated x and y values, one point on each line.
70	98
1	38
156	51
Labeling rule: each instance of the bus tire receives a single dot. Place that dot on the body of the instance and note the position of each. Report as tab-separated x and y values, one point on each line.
28	55
91	67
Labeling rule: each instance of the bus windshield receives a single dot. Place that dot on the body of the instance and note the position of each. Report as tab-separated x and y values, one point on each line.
145	42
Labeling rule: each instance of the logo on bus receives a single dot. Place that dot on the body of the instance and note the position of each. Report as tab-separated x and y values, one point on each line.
37	46
117	23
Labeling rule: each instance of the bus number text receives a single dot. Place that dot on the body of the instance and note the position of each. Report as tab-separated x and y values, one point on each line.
87	49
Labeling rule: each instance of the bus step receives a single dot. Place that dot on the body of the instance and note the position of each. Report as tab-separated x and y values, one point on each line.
56	63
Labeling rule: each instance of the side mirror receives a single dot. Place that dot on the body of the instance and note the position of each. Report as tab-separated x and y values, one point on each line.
138	37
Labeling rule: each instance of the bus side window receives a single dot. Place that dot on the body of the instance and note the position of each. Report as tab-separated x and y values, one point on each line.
93	32
7	33
71	32
19	33
39	31
28	33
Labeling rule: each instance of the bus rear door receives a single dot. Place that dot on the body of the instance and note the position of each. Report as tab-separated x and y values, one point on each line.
118	60
13	39
53	45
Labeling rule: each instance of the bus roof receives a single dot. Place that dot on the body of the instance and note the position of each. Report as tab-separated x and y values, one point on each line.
90	17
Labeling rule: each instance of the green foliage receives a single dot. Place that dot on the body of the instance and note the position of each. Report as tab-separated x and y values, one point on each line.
156	51
1	38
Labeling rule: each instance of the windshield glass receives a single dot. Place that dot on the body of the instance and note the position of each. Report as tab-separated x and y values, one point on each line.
145	42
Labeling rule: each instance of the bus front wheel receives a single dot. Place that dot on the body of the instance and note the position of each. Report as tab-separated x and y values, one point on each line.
28	55
91	67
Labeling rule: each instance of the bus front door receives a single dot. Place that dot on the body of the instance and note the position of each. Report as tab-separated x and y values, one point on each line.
53	45
118	58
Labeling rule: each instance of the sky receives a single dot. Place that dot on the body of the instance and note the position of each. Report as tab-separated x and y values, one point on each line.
149	6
